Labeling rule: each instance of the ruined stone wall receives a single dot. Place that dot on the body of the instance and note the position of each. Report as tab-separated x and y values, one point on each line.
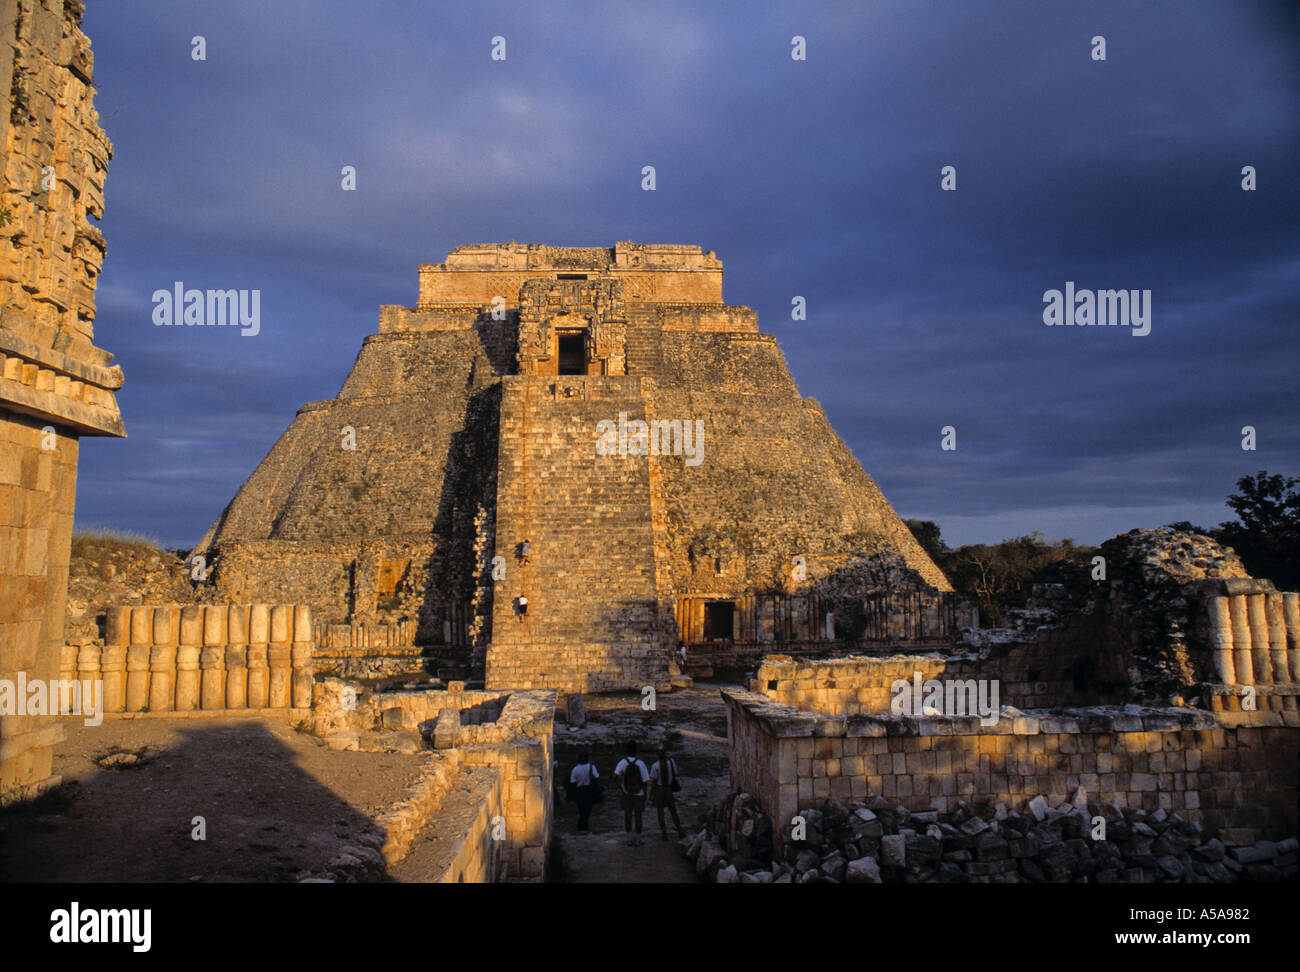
191	658
1046	672
443	829
55	386
1179	760
510	733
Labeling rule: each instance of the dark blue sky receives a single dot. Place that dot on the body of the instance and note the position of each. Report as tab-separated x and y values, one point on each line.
817	178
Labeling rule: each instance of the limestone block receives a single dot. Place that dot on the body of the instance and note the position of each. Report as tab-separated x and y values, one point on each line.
215	617
279	688
1221	639
236	666
1257	613
259	624
301	681
166	625
112	662
187	673
212	685
191	626
259	684
281	624
237	624
117	626
88	670
162	677
302	629
137	677
1241	643
1276	613
1291	615
141	625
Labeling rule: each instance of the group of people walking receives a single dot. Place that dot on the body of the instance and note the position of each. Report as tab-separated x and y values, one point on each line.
637	783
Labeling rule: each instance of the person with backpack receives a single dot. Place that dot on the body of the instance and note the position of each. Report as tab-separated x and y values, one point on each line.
584	790
633	777
663	784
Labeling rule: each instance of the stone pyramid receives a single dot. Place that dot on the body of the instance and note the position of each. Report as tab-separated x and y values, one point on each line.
601	404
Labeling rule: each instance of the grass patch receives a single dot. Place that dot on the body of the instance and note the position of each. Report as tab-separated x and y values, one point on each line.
100	540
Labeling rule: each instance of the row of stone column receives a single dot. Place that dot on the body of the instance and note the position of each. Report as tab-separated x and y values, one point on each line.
1256	638
200	656
389	634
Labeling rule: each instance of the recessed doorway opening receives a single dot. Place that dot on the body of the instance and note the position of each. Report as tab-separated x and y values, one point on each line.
571	354
719	620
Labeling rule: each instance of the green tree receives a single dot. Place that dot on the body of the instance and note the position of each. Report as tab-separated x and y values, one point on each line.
1266	533
927	535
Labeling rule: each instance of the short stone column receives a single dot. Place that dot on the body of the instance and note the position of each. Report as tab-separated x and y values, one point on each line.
1245	667
187	658
301	682
212	659
259	633
112	665
67	663
1276	612
117	626
1291	615
137	659
1221	640
237	657
1257	615
162	659
278	657
88	671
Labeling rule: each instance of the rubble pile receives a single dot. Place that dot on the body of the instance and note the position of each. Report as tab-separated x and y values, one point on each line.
875	843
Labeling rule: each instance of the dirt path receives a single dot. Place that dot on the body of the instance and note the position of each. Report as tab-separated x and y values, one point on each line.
693	723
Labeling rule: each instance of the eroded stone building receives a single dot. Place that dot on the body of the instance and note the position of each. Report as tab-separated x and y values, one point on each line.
604	406
55	385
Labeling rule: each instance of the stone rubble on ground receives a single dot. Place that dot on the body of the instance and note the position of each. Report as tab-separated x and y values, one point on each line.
979	843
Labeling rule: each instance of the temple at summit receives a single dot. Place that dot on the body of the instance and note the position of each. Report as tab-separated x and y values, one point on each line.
604	405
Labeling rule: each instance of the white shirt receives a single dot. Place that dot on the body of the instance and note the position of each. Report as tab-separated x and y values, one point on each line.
655	771
584	774
621	768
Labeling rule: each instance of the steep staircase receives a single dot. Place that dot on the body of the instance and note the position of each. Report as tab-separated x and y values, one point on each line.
596	619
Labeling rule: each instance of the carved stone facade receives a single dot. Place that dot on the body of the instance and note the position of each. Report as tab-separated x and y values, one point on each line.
55	385
593	311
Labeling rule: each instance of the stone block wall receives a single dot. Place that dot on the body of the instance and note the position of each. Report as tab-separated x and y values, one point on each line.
194	658
520	745
1180	760
509	732
462	805
1040	673
475	855
37	496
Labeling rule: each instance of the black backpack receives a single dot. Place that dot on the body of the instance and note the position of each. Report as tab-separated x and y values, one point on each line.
632	777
